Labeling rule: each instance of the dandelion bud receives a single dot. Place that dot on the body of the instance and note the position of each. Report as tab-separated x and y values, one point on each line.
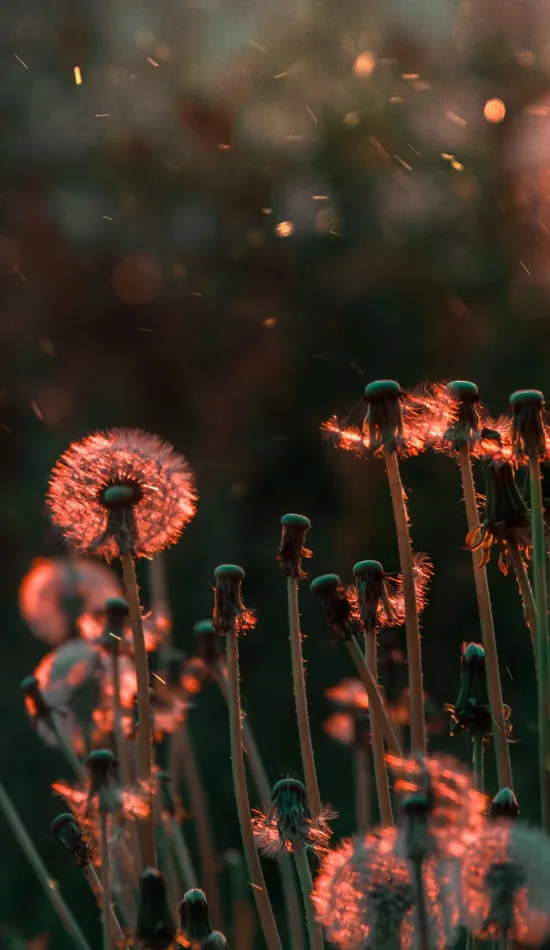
507	519
35	703
291	808
528	437
464	428
472	712
229	610
207	641
336	604
504	805
68	832
292	549
216	941
194	915
155	927
372	593
383	416
102	769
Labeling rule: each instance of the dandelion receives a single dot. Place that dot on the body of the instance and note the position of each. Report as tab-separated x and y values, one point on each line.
216	941
56	591
156	929
195	915
454	418
104	784
506	523
504	805
230	612
504	883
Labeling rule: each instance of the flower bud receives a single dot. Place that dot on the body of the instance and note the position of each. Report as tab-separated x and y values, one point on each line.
383	414
155	927
464	428
229	610
68	832
293	549
528	436
194	915
336	604
504	805
207	641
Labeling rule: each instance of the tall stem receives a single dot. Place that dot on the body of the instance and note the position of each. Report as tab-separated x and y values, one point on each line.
377	740
420	904
45	879
502	751
316	941
298	677
362	787
414	654
375	700
529	606
66	747
263	786
105	879
97	891
182	857
261	896
120	739
477	742
146	828
543	653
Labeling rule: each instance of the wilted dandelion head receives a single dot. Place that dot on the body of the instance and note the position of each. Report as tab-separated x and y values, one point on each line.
103	775
229	609
504	883
504	805
57	590
451	416
340	612
456	809
391	420
530	434
122	487
506	520
378	597
472	711
207	641
156	929
365	900
290	821
292	549
71	836
195	915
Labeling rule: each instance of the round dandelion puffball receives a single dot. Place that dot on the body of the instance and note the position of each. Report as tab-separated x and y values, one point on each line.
160	481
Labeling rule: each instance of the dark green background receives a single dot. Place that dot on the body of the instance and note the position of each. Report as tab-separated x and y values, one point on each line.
431	272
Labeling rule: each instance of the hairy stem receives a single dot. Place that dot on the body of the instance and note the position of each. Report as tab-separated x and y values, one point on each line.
414	654
543	653
45	879
255	872
375	700
362	787
316	941
298	677
97	890
105	879
526	592
182	857
377	740
146	828
502	751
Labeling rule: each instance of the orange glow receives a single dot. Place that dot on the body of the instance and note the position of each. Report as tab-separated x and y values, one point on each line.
161	477
494	111
340	726
364	65
284	229
268	837
77	72
395	615
350	693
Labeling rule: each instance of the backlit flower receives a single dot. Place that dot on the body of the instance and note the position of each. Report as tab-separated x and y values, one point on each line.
506	520
229	609
289	820
121	487
57	590
155	929
292	549
530	431
504	883
453	416
472	711
378	597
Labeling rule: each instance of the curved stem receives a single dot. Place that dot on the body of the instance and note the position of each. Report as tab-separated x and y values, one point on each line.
362	787
45	879
529	608
375	700
477	742
502	751
414	653
146	828
263	786
304	874
255	872
298	677
377	740
543	653
105	879
97	891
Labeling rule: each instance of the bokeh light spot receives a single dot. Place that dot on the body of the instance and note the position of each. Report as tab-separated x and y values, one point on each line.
137	279
284	229
494	111
365	64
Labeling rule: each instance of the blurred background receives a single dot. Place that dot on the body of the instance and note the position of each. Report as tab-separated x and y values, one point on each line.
219	219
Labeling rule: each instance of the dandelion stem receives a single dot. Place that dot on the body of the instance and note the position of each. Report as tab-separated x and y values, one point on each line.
182	857
243	922
105	879
261	896
66	747
377	740
541	640
420	902
97	891
199	809
362	787
304	874
414	654
263	786
502	751
34	859
526	592
298	676
375	700
477	742
146	828
120	739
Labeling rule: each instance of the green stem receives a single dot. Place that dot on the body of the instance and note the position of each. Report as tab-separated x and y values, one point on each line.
420	904
477	741
362	787
105	879
543	653
500	735
264	788
316	941
298	676
97	890
182	857
377	740
529	608
261	896
34	859
375	700
146	828
243	921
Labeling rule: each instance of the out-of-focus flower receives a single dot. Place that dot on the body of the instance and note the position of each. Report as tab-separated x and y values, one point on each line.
195	915
56	591
337	601
289	820
457	810
156	929
452	416
530	432
69	833
504	805
506	521
472	711
229	609
292	549
364	896
123	486
504	883
350	724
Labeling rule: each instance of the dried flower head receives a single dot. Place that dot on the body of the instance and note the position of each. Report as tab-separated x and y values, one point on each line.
506	520
104	786
529	433
378	597
472	711
121	490
207	641
292	549
504	805
504	883
195	915
229	609
337	603
365	899
289	820
156	929
451	416
57	590
71	836
216	941
457	810
134	802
